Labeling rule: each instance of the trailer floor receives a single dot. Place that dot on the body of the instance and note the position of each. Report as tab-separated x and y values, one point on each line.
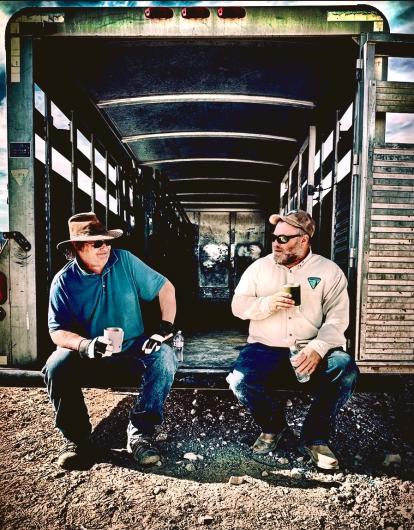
214	348
277	491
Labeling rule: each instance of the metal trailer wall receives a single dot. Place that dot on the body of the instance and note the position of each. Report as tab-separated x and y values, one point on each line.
156	227
386	266
366	219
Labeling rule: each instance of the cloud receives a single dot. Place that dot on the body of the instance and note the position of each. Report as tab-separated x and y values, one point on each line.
404	17
399	128
3	22
4	211
401	69
3	146
4	221
400	15
4	216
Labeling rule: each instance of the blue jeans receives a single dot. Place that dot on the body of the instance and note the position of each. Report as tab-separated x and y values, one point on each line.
258	371
65	373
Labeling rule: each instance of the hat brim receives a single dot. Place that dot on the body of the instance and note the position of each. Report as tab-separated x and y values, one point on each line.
109	234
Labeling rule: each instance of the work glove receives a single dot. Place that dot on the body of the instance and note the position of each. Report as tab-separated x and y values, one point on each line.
95	348
165	332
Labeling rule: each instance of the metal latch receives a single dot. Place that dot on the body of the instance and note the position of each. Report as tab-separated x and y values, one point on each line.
359	66
19	238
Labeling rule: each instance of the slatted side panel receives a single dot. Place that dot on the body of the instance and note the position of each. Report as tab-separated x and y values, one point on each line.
387	330
395	96
341	240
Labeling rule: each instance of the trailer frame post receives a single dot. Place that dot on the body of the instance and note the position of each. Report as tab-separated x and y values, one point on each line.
73	166
22	203
47	176
311	168
334	179
92	173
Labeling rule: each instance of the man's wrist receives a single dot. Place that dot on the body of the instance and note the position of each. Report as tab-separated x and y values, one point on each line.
266	305
166	328
83	347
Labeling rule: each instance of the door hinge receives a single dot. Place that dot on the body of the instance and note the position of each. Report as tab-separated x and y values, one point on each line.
19	238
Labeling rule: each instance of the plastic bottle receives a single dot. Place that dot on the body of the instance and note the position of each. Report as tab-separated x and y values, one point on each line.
294	351
178	345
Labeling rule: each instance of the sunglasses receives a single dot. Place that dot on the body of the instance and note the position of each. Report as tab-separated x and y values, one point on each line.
99	243
283	239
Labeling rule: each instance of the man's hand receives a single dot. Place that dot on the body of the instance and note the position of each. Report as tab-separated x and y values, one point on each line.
95	348
306	361
280	300
165	332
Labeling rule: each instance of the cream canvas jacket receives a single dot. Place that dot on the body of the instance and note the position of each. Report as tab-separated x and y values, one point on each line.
320	320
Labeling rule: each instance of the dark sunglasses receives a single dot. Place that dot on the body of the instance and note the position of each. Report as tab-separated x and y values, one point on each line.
99	243
283	239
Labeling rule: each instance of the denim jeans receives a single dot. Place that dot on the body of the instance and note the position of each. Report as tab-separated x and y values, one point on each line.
258	371
65	373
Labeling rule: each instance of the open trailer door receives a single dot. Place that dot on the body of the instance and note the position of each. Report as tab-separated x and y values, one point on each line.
385	172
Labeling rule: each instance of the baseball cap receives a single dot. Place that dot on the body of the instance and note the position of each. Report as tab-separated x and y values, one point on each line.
298	218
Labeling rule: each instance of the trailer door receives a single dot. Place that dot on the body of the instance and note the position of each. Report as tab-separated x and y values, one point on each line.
386	234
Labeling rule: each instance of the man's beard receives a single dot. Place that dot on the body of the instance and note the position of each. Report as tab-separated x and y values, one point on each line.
294	255
285	259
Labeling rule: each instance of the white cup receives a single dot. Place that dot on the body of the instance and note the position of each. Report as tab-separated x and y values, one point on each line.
116	336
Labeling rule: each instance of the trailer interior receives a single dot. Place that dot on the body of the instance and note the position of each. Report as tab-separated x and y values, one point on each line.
187	128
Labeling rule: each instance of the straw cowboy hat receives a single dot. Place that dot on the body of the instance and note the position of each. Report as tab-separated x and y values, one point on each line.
87	227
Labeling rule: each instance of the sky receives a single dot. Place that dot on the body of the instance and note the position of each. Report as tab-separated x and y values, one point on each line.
400	15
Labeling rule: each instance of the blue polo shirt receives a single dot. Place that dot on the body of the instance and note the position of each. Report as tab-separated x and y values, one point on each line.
86	303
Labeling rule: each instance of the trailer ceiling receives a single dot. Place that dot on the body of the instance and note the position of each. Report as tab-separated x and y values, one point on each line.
223	118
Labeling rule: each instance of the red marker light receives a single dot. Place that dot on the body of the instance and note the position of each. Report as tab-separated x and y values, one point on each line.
195	12
231	12
159	12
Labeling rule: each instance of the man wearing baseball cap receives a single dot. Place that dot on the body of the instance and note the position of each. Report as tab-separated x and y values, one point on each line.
102	287
316	327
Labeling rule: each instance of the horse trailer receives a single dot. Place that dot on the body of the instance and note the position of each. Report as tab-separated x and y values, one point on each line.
187	127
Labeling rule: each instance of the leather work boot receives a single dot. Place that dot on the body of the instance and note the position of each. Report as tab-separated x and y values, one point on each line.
76	455
263	447
322	457
143	450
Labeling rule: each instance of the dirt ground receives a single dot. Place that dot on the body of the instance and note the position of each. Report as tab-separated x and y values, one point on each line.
279	491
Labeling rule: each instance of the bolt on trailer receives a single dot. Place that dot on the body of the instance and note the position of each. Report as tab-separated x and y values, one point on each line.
187	127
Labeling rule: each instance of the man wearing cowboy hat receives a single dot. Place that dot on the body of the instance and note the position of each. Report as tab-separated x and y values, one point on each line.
99	288
317	325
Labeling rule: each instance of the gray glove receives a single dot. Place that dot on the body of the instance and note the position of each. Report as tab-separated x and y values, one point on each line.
95	348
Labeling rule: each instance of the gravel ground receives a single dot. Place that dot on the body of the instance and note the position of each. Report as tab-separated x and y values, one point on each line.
205	442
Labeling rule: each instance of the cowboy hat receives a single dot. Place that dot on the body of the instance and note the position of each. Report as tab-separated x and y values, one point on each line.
87	227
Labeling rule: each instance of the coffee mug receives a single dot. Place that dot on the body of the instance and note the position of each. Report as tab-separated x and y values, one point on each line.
116	336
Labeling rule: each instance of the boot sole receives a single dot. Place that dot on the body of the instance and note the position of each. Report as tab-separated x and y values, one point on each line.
326	467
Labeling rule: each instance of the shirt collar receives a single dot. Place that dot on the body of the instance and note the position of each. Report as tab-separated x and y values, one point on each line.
303	262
